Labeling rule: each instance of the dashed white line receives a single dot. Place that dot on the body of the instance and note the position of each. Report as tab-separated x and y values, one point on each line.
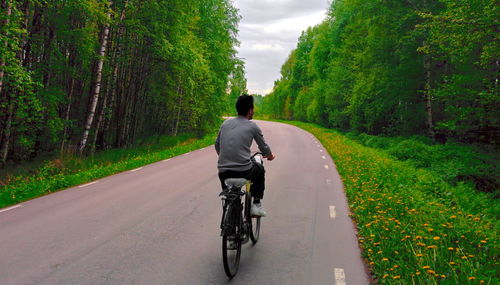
134	170
88	184
326	166
10	208
323	157
321	150
333	213
339	276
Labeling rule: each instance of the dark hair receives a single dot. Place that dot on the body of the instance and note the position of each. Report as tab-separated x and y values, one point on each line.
244	104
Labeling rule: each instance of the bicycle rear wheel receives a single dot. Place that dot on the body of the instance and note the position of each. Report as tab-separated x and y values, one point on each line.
231	246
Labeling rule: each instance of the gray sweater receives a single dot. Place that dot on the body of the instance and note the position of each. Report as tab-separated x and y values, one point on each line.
233	144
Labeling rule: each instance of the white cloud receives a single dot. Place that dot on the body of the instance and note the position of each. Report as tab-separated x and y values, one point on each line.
269	30
273	47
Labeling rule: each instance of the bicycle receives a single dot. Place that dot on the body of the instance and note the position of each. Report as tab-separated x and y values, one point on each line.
237	225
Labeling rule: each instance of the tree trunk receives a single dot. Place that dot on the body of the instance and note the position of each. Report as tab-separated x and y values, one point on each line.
178	111
100	118
114	78
68	109
428	97
8	128
2	58
97	84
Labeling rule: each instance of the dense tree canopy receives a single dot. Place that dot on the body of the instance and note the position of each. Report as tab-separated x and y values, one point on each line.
93	74
397	67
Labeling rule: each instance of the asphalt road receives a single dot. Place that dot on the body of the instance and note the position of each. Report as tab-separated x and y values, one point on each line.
160	225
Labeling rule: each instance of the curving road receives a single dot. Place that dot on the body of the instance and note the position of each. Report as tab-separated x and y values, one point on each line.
159	225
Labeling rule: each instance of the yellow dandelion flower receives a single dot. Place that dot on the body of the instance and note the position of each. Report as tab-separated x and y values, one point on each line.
385	259
453	217
396	277
443	276
451	248
426	267
436	238
472	278
452	263
419	255
385	275
418	272
483	241
431	271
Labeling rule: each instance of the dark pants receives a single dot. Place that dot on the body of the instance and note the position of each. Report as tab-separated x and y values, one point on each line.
254	174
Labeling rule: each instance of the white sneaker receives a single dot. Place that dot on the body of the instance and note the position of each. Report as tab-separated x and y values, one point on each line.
257	210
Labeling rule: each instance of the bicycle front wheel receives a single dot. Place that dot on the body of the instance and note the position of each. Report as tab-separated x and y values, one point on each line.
255	229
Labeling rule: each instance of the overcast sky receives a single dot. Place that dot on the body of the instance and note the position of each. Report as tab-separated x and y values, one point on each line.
269	30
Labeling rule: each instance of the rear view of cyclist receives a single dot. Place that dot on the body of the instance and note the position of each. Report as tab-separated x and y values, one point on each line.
233	147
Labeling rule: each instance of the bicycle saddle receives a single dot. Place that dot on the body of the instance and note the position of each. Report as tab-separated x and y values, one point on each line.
235	182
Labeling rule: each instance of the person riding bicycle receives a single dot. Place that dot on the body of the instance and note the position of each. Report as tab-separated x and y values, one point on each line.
233	147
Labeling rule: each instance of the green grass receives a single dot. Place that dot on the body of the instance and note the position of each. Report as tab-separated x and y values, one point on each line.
61	173
413	226
453	162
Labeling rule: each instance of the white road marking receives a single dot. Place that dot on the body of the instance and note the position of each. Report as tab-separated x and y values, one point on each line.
11	208
339	276
134	170
326	166
328	181
166	159
323	157
333	213
88	184
321	150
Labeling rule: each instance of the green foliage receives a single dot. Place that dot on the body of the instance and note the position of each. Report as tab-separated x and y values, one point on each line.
376	66
166	70
413	227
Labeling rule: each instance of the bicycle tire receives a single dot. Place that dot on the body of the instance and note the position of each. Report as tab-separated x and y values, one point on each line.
252	221
231	246
254	229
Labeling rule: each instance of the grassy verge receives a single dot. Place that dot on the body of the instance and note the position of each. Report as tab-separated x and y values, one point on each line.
414	227
455	163
61	173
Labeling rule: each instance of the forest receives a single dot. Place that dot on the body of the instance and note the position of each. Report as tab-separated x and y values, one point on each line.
414	67
86	75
